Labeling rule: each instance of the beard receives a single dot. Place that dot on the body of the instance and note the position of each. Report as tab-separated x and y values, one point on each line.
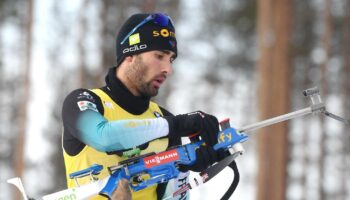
137	75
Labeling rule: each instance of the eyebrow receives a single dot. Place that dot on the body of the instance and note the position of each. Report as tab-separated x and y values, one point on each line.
168	52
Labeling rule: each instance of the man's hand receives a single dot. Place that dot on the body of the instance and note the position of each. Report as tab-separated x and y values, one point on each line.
123	191
207	126
205	157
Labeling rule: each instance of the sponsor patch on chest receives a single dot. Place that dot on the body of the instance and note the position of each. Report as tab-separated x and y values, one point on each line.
108	104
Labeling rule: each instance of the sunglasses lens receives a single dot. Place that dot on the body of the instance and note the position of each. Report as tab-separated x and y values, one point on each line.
162	19
157	18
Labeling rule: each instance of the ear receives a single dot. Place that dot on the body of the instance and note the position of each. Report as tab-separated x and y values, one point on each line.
129	59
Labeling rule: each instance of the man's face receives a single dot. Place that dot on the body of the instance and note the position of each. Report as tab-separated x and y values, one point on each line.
148	72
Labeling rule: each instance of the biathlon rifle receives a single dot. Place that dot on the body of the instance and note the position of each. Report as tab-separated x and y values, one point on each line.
154	168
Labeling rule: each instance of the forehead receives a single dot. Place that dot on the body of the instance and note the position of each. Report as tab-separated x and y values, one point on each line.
167	52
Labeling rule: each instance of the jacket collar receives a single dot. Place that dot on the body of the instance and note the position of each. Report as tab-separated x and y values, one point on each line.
123	97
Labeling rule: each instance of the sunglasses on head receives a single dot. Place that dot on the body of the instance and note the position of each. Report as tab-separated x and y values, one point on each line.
160	19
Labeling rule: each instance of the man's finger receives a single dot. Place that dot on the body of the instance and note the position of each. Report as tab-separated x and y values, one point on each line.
123	191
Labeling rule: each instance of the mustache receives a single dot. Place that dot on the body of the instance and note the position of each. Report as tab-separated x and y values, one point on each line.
161	77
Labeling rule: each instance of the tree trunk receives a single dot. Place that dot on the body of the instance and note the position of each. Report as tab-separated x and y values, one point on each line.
19	160
305	155
149	6
326	43
103	14
112	16
83	75
273	68
346	107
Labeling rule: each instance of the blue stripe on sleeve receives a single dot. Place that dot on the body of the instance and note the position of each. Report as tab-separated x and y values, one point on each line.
103	135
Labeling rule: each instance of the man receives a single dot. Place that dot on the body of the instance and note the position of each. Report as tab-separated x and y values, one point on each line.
123	191
118	121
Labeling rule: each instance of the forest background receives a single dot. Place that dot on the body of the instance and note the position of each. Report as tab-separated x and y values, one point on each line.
248	60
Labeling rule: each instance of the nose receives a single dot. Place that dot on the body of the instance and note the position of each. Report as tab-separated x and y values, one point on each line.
168	68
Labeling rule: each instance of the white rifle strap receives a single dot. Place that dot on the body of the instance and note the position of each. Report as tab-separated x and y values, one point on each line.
80	193
18	183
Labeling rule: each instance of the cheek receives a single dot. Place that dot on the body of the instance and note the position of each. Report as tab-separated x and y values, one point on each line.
152	67
153	62
144	71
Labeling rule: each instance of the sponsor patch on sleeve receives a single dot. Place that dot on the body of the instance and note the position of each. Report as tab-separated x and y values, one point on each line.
86	95
84	105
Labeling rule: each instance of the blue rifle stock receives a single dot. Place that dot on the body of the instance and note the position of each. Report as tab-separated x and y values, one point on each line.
162	167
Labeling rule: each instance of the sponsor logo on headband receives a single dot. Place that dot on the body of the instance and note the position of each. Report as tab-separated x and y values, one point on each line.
163	33
134	39
135	48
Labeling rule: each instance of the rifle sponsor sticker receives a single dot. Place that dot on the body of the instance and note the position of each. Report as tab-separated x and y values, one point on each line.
225	137
161	158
